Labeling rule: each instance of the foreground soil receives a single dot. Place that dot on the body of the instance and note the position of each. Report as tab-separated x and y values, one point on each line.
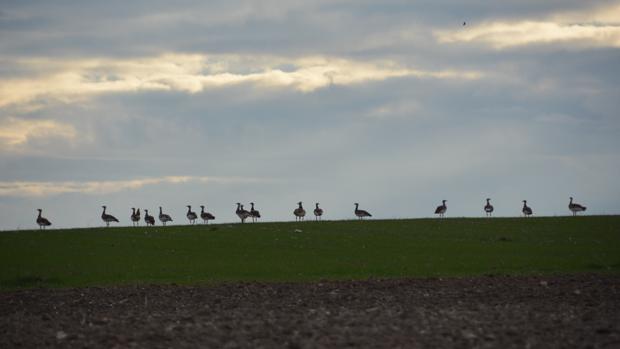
566	311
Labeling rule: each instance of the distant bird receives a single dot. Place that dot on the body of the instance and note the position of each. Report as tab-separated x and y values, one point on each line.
464	23
241	213
254	213
527	211
318	212
361	213
107	218
299	212
441	210
164	218
488	208
575	207
206	216
41	221
135	216
150	220
191	215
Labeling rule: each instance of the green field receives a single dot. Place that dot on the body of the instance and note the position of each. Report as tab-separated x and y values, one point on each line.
324	250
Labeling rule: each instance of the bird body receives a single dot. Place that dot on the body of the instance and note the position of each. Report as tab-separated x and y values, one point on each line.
191	215
135	216
299	212
527	211
318	212
254	213
206	216
164	218
150	220
441	209
242	213
488	208
361	213
41	221
107	218
575	207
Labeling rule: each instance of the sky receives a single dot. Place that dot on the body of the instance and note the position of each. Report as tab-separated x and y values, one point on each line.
395	105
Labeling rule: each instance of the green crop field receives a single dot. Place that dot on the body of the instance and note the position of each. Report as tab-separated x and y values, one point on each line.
309	251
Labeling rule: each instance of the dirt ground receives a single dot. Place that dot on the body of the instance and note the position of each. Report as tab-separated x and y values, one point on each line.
540	312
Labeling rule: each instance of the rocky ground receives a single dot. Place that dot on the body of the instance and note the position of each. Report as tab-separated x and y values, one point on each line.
540	312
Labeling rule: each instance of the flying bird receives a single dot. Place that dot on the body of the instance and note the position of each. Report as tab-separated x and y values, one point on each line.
441	209
41	221
360	213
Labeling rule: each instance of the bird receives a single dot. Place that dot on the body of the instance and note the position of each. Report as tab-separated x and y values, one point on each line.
299	212
241	213
135	216
441	210
361	213
41	221
318	212
164	218
575	207
464	23
527	211
488	208
254	213
150	220
205	215
107	218
191	215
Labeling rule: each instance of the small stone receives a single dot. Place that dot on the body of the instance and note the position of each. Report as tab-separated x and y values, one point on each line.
298	230
60	335
577	292
544	283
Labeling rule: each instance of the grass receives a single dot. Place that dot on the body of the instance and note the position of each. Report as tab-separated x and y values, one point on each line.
325	250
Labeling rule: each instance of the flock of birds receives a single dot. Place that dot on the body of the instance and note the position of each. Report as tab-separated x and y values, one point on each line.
299	213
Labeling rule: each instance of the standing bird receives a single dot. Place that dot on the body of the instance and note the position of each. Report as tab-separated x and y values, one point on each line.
488	208
254	213
135	216
107	218
205	215
191	215
241	213
441	210
150	220
575	207
41	221
318	212
361	213
164	218
527	211
299	212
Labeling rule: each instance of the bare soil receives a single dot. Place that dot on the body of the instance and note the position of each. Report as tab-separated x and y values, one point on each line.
540	312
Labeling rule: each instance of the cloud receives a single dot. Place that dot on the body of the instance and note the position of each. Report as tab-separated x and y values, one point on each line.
16	132
68	80
40	189
599	27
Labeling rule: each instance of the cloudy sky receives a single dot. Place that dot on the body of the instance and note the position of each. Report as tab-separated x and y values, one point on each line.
392	104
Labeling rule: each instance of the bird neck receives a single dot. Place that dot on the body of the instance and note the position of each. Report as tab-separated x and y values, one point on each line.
202	209
189	209
39	216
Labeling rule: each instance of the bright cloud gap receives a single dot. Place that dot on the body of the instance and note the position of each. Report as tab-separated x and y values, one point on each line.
68	80
41	189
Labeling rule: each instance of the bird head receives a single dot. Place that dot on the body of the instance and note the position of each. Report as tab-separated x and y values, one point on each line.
202	206
38	209
103	206
488	199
